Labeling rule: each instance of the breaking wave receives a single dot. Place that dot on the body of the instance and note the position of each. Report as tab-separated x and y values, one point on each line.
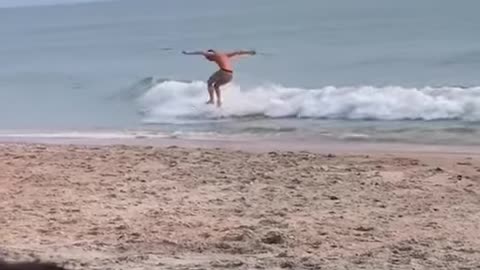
169	101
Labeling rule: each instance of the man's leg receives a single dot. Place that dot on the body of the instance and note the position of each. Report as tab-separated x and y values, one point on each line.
223	79
219	95
211	89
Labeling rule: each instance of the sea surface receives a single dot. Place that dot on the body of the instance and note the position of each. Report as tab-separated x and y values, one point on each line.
370	70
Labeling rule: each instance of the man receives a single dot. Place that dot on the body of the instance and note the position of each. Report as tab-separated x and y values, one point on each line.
225	73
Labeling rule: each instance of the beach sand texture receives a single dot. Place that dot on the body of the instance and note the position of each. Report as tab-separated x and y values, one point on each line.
143	207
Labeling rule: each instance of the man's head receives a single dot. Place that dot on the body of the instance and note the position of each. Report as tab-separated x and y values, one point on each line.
210	54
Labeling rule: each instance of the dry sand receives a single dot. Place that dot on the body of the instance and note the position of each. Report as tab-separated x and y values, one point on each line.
139	207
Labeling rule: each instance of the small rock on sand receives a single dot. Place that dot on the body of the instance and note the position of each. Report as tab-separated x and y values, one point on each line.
273	238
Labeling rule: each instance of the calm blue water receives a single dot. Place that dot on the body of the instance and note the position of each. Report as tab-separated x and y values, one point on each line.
367	70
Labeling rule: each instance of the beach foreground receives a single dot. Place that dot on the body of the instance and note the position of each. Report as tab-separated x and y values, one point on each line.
144	207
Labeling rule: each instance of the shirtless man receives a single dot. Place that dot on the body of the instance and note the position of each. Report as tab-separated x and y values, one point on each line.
225	73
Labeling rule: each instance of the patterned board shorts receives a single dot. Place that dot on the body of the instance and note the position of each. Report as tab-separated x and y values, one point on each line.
219	78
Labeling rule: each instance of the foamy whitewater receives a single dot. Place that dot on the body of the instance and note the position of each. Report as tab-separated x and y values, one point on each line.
172	101
371	70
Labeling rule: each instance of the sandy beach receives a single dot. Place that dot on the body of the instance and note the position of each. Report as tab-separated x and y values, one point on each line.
159	207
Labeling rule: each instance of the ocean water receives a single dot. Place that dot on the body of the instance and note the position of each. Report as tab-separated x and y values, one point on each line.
371	70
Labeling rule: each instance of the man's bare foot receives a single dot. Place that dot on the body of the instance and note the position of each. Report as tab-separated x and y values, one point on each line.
209	102
219	103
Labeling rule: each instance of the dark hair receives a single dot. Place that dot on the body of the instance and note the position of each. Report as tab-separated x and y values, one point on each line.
211	51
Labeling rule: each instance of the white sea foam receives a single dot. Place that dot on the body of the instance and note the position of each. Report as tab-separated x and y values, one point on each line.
171	101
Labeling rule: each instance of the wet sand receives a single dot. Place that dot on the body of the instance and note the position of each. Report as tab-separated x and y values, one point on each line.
146	207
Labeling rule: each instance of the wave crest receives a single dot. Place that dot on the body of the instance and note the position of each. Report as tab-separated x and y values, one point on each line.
169	101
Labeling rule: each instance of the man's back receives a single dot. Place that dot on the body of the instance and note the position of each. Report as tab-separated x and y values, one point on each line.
222	60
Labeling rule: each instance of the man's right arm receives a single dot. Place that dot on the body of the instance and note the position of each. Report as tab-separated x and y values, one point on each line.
195	53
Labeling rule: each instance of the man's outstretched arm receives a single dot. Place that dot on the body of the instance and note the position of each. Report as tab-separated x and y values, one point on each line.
238	53
195	53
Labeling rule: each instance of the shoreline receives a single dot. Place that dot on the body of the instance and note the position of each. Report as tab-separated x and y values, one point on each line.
259	145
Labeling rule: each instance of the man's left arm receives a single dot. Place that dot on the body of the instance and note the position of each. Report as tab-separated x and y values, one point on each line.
241	52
